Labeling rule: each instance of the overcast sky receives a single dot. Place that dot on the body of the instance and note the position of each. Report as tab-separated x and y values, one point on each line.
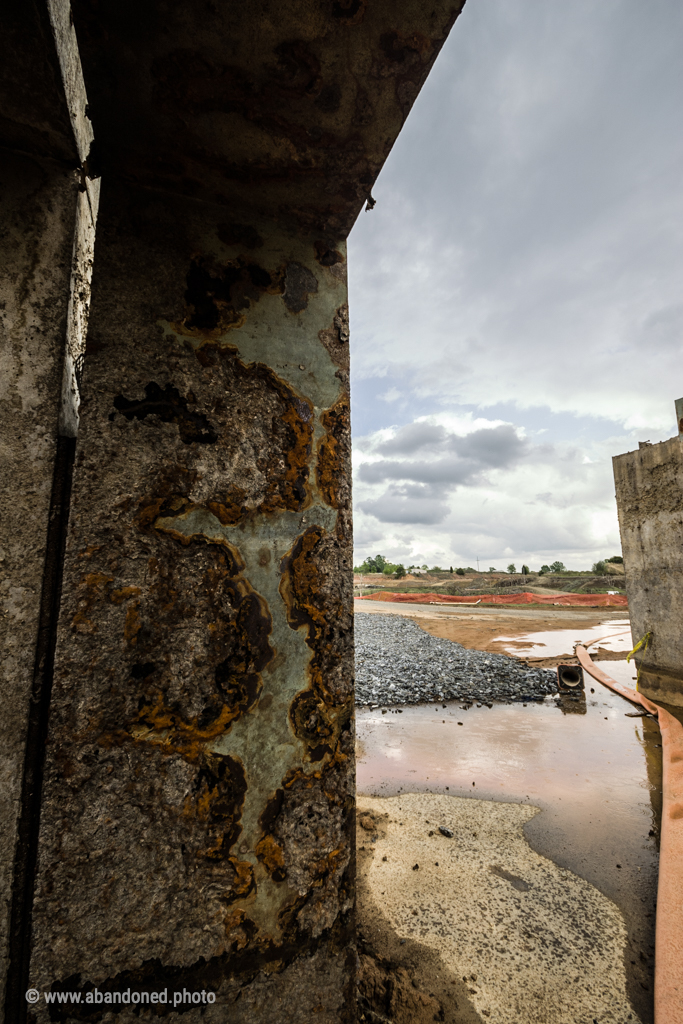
516	294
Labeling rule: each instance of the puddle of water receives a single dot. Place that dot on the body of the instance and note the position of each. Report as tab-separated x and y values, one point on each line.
595	773
614	635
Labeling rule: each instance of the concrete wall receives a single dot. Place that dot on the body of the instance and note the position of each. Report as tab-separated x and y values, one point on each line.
38	201
196	828
47	211
649	490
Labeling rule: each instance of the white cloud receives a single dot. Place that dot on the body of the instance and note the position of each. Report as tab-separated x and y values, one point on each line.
391	395
545	502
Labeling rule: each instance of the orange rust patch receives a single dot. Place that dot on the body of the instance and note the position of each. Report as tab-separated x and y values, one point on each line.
266	429
230	509
314	587
90	550
132	625
333	450
271	856
193	538
94	585
239	930
292	491
151	508
119	596
302	581
158	723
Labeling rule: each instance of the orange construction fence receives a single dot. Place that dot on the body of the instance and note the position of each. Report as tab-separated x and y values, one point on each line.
586	600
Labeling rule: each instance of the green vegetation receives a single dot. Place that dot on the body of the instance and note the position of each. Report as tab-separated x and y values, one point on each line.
379	564
375	564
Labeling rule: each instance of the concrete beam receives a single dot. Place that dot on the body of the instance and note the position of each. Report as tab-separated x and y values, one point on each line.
289	108
649	491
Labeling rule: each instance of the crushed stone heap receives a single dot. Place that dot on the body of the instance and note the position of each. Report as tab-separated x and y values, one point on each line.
399	663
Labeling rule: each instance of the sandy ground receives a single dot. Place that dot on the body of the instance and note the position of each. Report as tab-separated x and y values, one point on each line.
495	932
477	628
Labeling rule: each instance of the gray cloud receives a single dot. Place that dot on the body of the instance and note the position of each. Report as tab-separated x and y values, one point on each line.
413	438
405	505
528	219
497	447
449	472
461	460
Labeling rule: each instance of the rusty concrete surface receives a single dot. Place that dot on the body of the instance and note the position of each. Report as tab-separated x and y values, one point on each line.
198	796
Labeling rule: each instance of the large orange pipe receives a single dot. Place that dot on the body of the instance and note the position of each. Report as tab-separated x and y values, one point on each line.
669	926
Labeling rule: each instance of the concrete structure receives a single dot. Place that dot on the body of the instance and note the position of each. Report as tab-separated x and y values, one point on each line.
179	686
649	490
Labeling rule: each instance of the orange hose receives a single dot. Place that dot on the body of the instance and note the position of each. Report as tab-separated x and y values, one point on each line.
669	926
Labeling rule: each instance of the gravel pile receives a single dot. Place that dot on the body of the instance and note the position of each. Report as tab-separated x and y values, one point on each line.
399	663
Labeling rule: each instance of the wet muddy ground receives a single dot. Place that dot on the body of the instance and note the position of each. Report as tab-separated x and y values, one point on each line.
593	772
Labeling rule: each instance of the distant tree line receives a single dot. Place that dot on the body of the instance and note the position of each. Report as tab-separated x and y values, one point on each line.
379	564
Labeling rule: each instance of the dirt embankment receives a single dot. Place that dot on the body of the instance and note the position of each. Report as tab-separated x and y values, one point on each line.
479	630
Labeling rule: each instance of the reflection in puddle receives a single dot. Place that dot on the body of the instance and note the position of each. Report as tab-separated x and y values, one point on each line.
613	635
595	773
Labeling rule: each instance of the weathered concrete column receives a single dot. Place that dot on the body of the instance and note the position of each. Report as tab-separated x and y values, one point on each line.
37	208
649	490
198	794
198	779
45	260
